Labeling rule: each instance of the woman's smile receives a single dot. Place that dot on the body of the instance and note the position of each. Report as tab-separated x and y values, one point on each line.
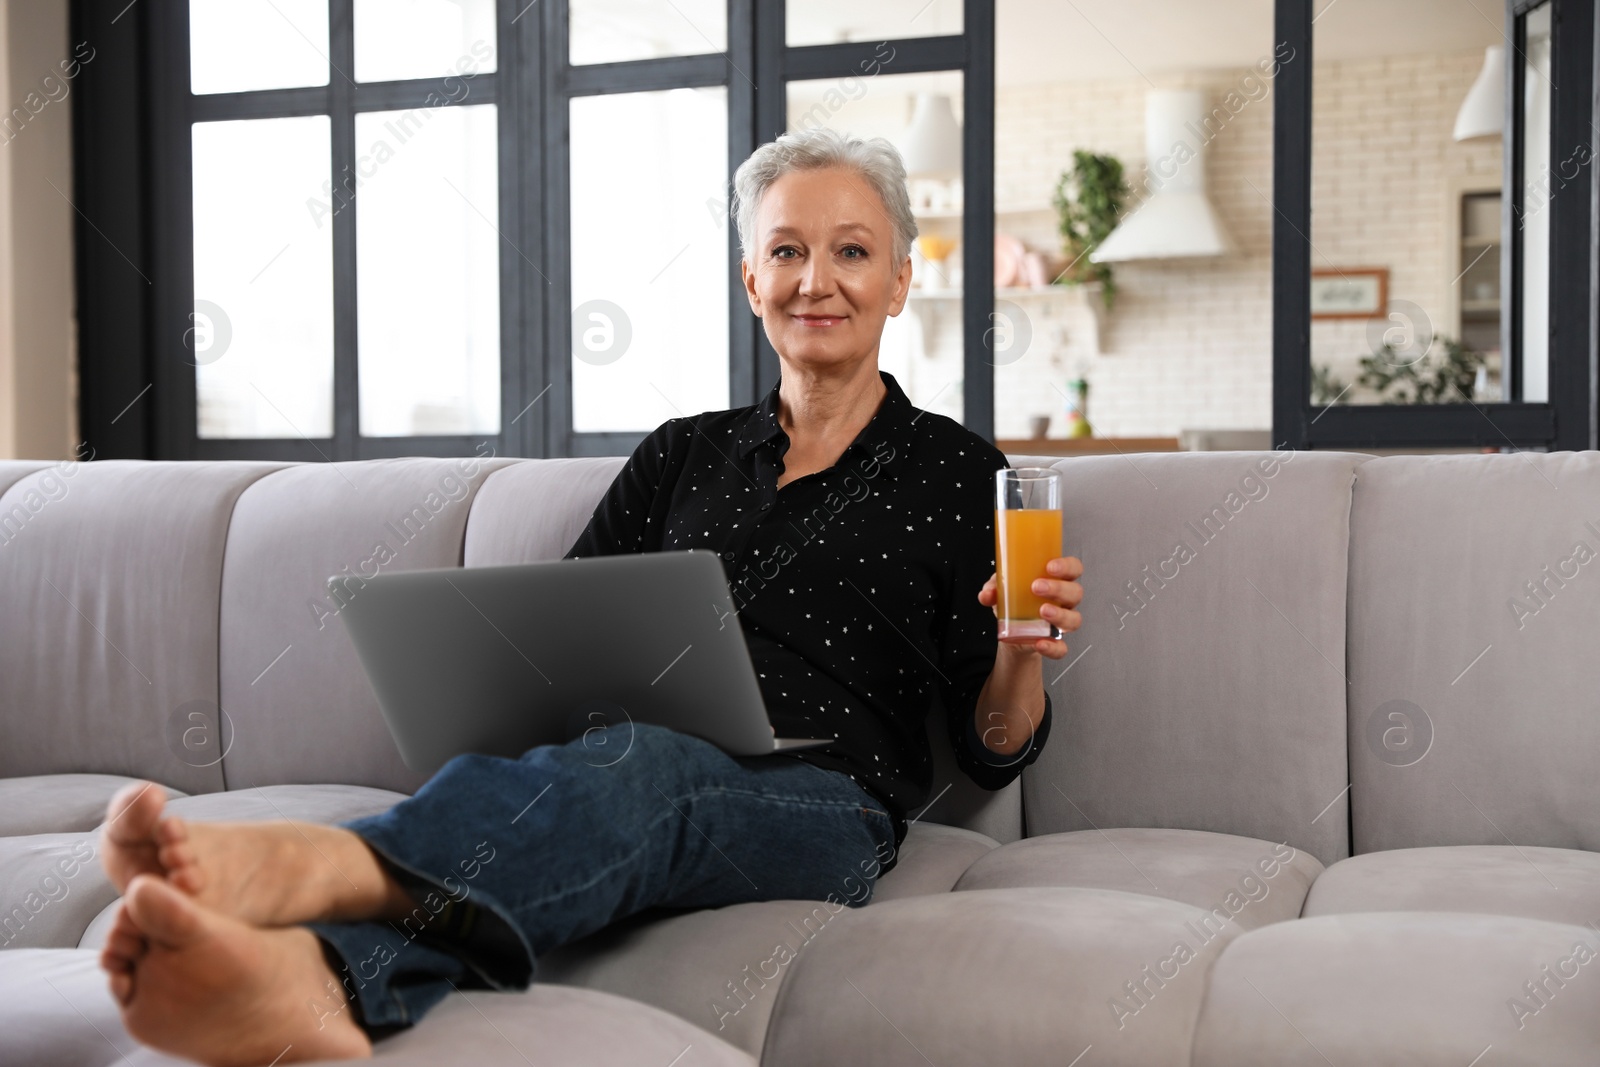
815	320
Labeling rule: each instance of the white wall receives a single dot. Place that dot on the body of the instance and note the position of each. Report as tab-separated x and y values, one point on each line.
38	346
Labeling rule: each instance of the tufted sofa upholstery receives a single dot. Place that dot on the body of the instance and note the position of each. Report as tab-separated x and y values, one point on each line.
1321	786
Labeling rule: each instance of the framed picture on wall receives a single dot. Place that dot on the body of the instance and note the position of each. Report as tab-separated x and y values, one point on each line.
1350	293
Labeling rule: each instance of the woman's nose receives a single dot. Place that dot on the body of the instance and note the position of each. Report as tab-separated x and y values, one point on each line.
817	278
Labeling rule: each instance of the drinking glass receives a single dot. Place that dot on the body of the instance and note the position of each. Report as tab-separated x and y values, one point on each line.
1027	535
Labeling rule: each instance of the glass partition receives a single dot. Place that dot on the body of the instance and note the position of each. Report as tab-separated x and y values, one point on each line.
611	31
428	272
1407	237
834	21
400	39
1133	227
1530	379
261	333
238	46
921	114
649	258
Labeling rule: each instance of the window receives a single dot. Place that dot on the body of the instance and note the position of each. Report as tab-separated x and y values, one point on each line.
923	345
1133	201
336	229
332	251
649	107
393	227
1433	242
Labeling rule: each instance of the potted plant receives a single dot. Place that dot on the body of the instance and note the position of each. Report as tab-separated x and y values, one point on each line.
1396	380
1088	202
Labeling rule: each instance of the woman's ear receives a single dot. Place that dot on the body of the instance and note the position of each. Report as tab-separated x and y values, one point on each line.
902	286
750	293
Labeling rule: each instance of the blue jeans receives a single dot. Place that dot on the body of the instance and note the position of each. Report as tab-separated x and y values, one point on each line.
509	858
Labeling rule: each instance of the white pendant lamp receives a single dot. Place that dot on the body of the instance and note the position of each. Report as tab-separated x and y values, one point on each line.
1483	112
931	145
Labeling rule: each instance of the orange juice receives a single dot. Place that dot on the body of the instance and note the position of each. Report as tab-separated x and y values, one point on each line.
1025	539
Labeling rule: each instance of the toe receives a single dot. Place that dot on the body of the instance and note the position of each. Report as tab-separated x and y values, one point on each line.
178	858
133	814
112	962
121	984
162	913
123	949
172	830
123	923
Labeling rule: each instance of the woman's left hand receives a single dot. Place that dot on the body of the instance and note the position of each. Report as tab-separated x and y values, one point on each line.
1061	594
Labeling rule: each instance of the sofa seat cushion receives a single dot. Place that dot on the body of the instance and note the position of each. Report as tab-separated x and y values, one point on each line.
720	968
1241	879
55	1011
932	859
999	976
58	803
1555	884
1413	988
51	888
325	804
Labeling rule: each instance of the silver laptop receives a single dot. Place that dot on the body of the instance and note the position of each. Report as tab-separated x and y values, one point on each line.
497	660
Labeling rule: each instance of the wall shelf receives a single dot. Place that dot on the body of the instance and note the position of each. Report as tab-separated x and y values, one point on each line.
1010	292
933	302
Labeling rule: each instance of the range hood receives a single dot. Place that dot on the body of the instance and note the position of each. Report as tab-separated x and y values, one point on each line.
1176	221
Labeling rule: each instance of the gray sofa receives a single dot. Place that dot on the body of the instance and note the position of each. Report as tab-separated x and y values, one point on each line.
1321	787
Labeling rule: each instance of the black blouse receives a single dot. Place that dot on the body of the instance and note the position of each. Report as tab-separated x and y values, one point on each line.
856	586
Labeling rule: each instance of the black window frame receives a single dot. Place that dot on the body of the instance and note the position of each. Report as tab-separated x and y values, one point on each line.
172	111
756	71
137	386
132	180
1567	421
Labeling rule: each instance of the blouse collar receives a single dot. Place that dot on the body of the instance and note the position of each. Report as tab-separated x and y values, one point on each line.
887	436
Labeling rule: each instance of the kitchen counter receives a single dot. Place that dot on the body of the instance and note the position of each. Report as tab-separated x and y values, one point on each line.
1084	446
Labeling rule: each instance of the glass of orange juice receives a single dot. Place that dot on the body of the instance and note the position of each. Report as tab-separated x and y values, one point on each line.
1027	535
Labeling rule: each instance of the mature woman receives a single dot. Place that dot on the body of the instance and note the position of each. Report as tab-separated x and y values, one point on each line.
857	537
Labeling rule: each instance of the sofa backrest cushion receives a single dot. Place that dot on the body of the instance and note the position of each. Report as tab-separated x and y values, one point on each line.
292	686
534	510
1474	585
1206	687
17	514
109	638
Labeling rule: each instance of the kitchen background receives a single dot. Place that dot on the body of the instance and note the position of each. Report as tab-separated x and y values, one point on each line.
1187	344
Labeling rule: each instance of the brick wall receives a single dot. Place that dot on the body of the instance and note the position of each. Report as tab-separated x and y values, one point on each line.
1386	175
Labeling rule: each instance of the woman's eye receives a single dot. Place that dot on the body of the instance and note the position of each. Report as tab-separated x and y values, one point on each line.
783	251
853	251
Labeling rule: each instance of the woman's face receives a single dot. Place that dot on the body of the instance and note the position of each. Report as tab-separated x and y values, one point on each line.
821	273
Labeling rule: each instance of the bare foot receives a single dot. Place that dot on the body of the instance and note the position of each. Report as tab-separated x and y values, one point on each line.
265	873
213	989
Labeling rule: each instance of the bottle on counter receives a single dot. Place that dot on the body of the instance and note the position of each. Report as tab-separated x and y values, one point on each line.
1078	409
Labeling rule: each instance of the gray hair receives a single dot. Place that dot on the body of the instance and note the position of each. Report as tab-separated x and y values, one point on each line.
876	160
